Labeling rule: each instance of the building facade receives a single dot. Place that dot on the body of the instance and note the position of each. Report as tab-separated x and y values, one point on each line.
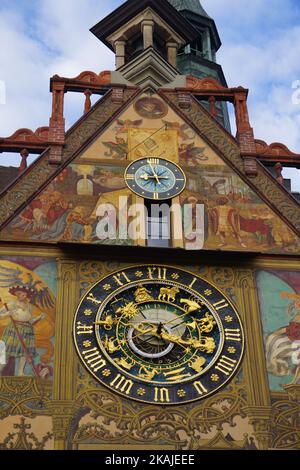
149	260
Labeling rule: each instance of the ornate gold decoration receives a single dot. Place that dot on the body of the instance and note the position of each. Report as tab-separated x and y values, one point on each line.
25	396
223	277
107	323
163	437
22	439
260	419
285	419
215	378
168	293
142	423
222	442
203	416
190	305
207	292
62	412
129	310
142	294
106	373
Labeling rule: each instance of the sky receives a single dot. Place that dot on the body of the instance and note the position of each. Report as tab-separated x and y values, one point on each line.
260	51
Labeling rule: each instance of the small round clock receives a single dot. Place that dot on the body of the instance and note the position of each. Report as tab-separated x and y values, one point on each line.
155	178
158	334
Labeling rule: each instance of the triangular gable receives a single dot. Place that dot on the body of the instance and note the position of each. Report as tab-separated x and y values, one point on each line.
237	217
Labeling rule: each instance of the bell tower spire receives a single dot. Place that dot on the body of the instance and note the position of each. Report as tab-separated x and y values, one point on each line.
198	58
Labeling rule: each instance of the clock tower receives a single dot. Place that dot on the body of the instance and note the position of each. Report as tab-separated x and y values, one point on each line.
149	261
199	58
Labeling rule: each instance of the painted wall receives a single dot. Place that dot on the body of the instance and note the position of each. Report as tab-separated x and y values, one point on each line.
236	219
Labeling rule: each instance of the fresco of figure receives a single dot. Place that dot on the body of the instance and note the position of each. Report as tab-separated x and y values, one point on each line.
25	324
18	336
283	345
225	222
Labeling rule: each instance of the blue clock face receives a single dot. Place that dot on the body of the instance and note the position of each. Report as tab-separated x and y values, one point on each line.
155	178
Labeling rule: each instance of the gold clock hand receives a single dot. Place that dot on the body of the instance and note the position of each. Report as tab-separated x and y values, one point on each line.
147	177
154	174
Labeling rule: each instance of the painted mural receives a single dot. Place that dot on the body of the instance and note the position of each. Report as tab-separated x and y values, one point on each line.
279	296
27	316
67	210
235	218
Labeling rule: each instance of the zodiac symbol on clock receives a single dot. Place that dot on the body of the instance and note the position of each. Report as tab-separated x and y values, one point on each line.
107	323
110	345
191	305
168	293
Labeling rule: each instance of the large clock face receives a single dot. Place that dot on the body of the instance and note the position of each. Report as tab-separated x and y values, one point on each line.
155	178
158	334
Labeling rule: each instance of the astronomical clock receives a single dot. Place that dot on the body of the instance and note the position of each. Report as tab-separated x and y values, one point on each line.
158	334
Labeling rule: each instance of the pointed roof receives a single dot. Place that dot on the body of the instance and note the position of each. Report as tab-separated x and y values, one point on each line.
193	12
131	8
190	5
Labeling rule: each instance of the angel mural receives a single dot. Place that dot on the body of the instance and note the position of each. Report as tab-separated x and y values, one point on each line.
283	345
122	127
118	149
26	322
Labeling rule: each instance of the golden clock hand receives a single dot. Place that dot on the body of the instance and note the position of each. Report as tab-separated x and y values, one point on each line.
174	319
154	174
147	177
141	330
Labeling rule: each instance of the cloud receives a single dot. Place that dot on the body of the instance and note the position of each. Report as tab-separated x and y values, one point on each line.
52	38
261	44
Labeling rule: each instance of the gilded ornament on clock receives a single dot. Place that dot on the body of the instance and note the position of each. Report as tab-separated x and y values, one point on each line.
160	329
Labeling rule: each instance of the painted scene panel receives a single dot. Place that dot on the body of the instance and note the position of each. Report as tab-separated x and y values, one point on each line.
67	210
279	297
235	218
27	316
